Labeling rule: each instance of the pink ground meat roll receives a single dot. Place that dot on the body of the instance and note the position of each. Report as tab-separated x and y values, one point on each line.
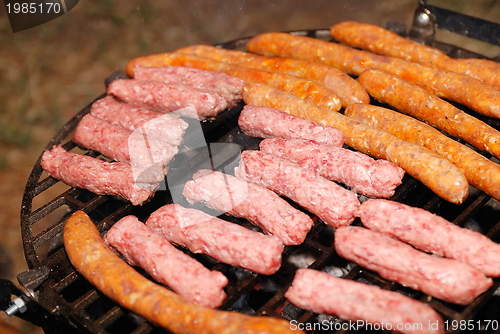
259	205
335	205
140	246
224	241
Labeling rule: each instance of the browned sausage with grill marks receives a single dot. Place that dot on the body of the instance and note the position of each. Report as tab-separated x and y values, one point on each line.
117	280
437	173
481	172
415	101
305	89
346	88
385	42
464	89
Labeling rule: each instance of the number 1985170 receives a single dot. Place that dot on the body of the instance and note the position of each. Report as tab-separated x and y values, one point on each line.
33	8
471	325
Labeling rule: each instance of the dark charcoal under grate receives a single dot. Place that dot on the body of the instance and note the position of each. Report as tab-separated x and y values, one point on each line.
65	293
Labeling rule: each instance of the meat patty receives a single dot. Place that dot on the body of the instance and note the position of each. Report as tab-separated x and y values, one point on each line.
251	201
363	174
265	122
184	100
335	205
432	233
153	124
140	246
227	86
224	241
323	293
446	279
100	177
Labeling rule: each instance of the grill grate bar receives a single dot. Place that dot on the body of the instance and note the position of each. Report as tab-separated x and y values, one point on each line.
110	317
86	299
472	209
145	328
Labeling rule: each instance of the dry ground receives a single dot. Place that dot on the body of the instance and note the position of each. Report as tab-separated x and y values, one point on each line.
50	72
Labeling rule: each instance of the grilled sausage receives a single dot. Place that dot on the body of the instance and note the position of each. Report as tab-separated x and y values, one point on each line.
335	205
154	124
117	280
222	240
267	122
165	263
481	172
469	91
346	88
100	177
323	293
364	175
305	89
382	41
159	96
445	279
239	198
437	173
432	233
417	102
121	144
220	83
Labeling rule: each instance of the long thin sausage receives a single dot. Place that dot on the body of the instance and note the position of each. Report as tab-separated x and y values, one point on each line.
469	91
101	177
305	89
267	122
363	174
445	279
385	42
259	205
222	240
166	264
413	100
350	300
437	173
121	144
481	172
335	205
163	97
153	124
207	81
346	88
432	233
112	276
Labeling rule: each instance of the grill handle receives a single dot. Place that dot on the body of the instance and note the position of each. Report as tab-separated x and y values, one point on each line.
459	23
19	302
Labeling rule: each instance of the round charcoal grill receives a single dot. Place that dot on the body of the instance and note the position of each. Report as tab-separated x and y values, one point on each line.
55	297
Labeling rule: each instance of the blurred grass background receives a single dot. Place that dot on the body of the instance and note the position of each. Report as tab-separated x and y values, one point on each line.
50	72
